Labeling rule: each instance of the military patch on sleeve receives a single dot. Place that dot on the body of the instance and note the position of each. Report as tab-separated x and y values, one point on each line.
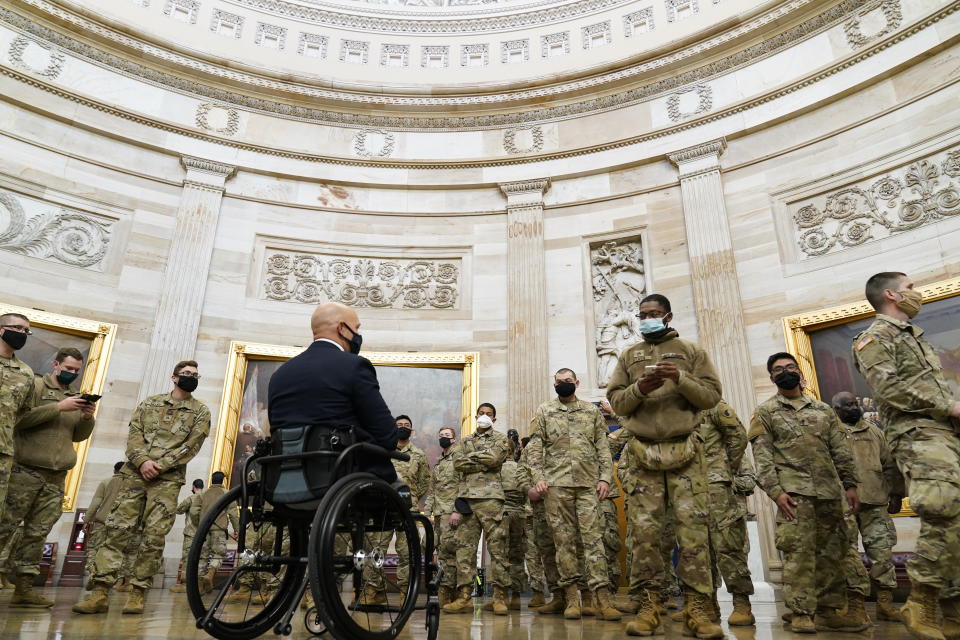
864	341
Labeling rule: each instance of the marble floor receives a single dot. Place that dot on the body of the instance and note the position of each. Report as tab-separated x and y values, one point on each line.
169	617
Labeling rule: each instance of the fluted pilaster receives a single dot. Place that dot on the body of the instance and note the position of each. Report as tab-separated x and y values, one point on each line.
177	319
527	374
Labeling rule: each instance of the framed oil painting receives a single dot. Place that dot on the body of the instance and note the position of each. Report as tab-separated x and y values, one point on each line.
434	389
93	338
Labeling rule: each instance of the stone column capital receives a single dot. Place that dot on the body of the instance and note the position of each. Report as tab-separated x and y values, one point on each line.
699	158
525	192
206	174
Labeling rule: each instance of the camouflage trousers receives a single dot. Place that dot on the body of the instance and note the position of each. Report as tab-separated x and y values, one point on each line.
513	523
574	516
150	505
446	547
8	565
264	540
374	577
487	517
94	541
853	571
929	458
546	549
729	544
185	549
812	544
531	556
34	504
213	552
130	554
611	541
679	495
668	543
6	464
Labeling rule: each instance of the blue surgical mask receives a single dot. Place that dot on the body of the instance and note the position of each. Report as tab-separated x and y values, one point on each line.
652	325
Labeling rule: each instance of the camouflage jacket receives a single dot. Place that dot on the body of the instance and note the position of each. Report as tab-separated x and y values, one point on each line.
444	486
674	409
800	448
191	507
167	431
876	469
16	385
478	460
44	435
415	472
905	375
628	481
103	499
617	443
724	443
208	499
571	448
515	494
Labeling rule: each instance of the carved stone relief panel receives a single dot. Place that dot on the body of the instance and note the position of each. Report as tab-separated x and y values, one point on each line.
396	282
35	58
873	22
40	229
619	282
699	97
218	119
923	192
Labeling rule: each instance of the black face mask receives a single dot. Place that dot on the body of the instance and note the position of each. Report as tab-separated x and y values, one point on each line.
403	433
66	377
15	339
565	389
851	415
445	442
787	380
356	340
187	383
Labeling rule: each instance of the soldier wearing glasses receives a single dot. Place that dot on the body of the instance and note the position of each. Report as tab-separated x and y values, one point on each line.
16	387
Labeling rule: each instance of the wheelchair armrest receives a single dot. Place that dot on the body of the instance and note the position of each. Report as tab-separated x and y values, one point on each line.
396	455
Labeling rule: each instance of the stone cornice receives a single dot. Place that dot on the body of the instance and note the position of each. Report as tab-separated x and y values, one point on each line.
701	158
208	166
538	187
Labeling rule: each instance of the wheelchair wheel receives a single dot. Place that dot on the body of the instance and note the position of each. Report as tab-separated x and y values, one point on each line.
266	574
349	539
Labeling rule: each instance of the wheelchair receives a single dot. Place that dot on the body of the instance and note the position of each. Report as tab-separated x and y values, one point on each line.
303	518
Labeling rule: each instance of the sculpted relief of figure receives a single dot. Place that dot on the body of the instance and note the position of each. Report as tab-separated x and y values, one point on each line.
619	283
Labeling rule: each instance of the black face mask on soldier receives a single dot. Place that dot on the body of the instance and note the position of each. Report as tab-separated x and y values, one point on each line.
15	339
787	380
187	383
565	389
851	415
403	433
445	442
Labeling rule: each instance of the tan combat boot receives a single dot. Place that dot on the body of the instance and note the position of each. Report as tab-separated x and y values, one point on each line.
373	596
206	581
5	582
500	606
677	616
588	604
647	620
536	601
240	594
571	593
307	602
178	588
802	623
920	613
697	619
631	606
96	602
856	612
557	605
951	618
514	603
446	595
487	606
605	608
742	614
25	597
829	619
134	603
886	610
463	603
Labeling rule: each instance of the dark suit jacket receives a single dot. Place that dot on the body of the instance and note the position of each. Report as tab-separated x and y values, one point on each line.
324	385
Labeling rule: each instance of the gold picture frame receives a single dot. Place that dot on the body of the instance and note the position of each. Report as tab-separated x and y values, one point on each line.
102	336
797	330
242	353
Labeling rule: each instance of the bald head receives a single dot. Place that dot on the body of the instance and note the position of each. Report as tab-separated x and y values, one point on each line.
847	407
328	322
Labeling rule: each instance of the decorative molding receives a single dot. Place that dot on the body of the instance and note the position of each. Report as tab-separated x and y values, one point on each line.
361	143
191	7
141	3
221	17
348	47
312	38
554	38
469	50
368	281
217	170
706	151
55	59
536	136
892	13
536	187
601	28
231	126
389	50
704	102
618	281
675	7
430	51
271	29
631	20
60	235
508	47
924	192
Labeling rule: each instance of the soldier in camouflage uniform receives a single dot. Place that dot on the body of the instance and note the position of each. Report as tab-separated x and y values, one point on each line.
659	387
802	457
608	508
881	493
189	507
166	432
724	446
571	466
921	418
531	557
478	460
16	385
542	538
415	473
96	513
514	516
444	487
214	548
44	453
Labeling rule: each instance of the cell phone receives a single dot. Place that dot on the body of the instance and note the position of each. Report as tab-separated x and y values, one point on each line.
90	397
651	368
596	403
